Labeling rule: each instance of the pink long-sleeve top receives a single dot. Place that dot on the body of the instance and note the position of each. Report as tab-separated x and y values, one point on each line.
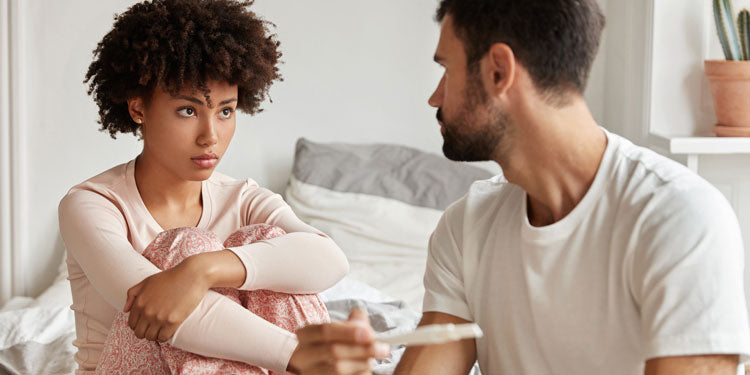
106	226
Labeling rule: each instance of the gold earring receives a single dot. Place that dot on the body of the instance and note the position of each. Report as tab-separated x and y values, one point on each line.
138	120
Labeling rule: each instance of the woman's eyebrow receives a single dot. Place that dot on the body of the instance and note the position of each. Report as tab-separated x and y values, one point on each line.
228	101
188	98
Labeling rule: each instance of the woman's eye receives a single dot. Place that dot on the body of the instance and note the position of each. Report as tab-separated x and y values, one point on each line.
186	112
226	113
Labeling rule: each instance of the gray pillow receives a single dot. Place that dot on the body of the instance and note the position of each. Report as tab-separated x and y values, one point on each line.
391	171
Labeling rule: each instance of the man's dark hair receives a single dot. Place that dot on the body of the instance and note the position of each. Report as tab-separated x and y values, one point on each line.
175	44
555	40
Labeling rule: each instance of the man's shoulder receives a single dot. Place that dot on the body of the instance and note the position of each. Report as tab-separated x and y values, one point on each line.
484	195
658	186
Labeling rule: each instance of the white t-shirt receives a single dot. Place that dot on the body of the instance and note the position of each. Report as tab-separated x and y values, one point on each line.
649	264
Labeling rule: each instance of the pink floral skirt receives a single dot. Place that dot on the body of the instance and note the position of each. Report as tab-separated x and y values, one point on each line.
124	353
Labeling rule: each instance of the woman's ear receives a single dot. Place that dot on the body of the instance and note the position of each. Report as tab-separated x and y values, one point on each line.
501	66
136	109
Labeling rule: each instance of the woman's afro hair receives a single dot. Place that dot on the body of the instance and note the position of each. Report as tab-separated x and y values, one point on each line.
170	44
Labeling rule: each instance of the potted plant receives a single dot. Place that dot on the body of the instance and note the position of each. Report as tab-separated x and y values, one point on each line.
730	78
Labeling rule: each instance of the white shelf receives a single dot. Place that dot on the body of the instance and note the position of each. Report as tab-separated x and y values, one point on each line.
700	145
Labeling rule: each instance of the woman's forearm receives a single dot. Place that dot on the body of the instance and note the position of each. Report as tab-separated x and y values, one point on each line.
297	263
221	328
219	269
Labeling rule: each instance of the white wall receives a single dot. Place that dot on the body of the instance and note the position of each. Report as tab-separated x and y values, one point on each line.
625	69
352	73
355	71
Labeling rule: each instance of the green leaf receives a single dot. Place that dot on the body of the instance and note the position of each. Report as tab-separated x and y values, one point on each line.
743	23
726	29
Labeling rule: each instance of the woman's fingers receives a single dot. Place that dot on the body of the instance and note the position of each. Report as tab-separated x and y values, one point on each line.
148	326
152	333
167	332
162	301
141	328
133	318
132	293
138	321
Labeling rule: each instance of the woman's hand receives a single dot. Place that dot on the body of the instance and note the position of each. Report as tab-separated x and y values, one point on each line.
337	348
161	302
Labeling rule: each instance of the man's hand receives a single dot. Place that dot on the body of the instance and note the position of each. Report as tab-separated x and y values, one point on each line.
453	358
337	348
161	302
693	365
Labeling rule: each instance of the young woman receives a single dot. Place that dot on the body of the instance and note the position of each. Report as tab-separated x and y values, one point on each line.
174	72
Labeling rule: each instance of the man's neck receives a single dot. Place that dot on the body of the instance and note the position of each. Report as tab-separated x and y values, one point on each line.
160	188
556	155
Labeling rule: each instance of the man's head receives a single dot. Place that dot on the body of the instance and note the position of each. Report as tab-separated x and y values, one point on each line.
484	43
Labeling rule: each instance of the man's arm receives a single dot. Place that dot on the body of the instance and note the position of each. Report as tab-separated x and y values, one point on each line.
693	365
451	358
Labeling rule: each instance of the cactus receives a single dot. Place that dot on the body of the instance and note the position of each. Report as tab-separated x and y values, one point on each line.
743	24
724	17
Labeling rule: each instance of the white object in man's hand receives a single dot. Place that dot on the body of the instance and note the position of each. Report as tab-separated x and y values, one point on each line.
433	334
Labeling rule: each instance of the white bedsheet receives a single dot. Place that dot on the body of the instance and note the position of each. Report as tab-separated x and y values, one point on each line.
37	334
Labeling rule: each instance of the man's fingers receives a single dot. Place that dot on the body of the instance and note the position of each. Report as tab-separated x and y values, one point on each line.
382	350
339	347
350	367
335	332
342	367
329	353
358	314
344	351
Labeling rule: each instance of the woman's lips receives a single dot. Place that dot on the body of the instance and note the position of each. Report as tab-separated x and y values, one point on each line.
205	162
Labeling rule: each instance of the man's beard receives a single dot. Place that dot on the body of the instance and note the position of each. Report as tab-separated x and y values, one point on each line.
466	140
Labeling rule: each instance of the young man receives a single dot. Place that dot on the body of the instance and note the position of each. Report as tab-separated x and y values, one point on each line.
590	255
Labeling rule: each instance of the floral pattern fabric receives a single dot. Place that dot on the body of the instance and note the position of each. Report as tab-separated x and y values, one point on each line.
124	353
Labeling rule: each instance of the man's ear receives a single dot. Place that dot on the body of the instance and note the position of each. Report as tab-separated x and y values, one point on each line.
501	68
136	108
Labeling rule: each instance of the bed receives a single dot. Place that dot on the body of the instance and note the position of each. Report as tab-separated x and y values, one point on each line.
379	202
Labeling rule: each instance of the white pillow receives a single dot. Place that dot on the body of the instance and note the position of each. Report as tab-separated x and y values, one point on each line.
384	239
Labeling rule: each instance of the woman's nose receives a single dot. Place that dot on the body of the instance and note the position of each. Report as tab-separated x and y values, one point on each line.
208	136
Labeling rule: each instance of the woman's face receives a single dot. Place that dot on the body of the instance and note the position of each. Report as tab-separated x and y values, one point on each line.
187	134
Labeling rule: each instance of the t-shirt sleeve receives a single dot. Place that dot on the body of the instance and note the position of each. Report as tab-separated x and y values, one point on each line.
444	278
687	276
95	234
305	260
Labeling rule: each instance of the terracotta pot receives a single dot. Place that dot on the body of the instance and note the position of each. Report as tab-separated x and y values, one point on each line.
730	89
